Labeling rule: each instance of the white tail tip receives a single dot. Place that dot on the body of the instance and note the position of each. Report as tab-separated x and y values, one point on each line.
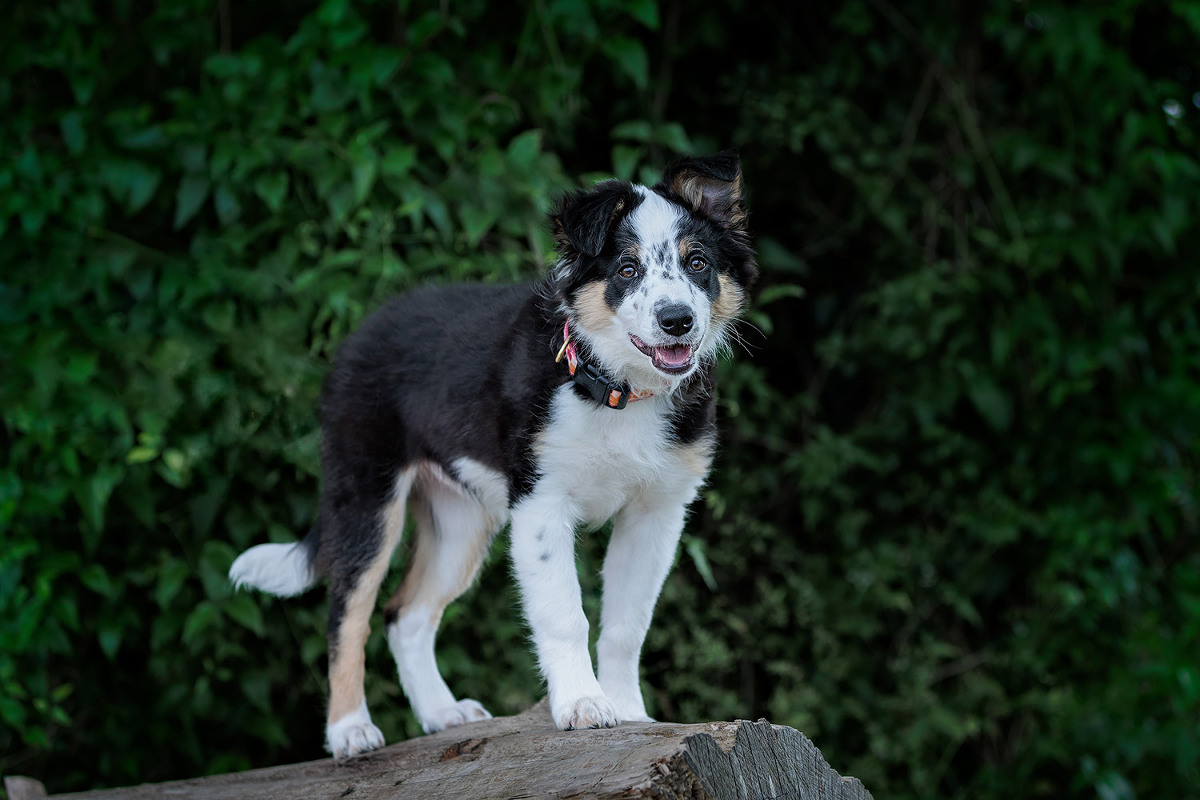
279	569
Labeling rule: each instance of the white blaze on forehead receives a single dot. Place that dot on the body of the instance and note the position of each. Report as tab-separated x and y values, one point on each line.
655	220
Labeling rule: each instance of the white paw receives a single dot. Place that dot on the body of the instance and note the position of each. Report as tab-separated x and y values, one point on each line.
462	712
630	707
634	716
585	712
352	734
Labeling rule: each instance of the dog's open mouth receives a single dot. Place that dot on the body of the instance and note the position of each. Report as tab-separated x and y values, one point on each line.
672	359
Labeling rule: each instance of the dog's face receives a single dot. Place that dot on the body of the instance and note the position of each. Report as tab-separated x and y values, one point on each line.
651	278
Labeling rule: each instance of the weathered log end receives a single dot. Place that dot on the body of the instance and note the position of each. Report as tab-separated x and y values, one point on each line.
766	761
524	756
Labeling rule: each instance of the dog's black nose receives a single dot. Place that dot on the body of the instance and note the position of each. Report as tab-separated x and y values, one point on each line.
675	319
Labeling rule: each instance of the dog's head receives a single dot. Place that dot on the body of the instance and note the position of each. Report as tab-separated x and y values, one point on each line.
651	278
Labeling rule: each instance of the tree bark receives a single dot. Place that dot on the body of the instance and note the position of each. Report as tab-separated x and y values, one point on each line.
526	757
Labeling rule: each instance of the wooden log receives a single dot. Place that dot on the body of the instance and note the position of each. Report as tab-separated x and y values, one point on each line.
525	757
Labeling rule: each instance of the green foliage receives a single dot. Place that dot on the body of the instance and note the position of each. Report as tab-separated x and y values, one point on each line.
185	241
951	535
988	467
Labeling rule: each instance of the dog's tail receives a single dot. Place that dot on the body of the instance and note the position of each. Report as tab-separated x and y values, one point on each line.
284	570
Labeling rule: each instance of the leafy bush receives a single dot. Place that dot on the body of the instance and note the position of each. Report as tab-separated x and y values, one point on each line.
185	243
951	534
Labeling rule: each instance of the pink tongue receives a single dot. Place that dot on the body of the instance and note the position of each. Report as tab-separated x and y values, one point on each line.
675	356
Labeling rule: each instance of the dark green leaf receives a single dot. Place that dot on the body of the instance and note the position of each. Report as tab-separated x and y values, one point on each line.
193	191
272	188
226	203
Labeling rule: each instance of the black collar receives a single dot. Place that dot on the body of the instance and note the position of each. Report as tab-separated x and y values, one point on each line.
595	383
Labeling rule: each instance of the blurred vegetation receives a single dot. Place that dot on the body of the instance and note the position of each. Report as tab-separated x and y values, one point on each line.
952	534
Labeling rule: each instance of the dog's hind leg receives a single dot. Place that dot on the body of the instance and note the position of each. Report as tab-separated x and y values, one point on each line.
453	531
354	584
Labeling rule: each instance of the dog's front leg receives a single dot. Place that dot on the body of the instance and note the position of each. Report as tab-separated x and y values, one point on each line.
543	555
640	553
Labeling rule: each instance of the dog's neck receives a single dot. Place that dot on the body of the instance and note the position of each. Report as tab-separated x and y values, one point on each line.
599	386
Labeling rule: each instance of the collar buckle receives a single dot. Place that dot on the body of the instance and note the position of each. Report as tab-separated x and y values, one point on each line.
598	386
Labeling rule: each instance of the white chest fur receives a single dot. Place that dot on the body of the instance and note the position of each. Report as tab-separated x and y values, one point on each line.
600	459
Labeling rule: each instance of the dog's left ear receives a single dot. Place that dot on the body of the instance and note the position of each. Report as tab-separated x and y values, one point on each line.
710	186
582	221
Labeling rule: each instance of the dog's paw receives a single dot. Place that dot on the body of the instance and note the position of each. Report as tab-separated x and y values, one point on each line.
586	712
460	713
630	708
352	735
634	716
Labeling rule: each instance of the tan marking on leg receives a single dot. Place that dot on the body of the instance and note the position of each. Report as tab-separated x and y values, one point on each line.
347	667
590	309
418	563
435	578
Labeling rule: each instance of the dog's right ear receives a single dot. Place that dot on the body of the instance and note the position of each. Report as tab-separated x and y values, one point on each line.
583	220
711	187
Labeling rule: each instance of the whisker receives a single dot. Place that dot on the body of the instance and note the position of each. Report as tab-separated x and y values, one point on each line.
731	334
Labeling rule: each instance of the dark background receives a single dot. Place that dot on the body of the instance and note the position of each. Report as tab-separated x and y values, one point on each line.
952	534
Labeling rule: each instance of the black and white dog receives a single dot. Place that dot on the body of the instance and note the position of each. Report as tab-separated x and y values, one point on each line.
582	398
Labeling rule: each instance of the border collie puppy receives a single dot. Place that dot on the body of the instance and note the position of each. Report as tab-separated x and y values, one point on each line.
550	407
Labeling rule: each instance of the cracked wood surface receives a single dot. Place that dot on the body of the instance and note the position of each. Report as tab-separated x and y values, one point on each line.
525	757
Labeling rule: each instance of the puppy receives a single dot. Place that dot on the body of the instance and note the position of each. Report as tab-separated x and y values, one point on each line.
551	407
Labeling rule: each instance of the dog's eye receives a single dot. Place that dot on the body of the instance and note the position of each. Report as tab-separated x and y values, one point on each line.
697	264
628	270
